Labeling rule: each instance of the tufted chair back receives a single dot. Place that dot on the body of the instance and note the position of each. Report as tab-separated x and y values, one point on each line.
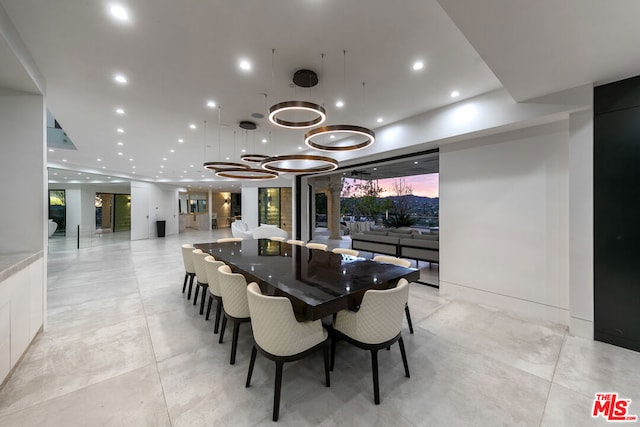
345	251
198	263
187	258
233	288
320	246
275	328
379	318
211	266
392	260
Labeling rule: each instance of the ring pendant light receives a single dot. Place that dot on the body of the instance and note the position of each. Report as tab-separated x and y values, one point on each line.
247	173
338	130
306	106
286	163
223	166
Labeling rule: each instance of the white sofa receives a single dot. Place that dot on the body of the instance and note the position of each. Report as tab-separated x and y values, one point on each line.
52	227
241	229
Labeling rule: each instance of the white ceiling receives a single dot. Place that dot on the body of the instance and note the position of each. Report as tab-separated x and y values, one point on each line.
179	54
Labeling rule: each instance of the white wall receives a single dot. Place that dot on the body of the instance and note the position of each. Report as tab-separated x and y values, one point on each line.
581	224
22	226
151	203
73	210
250	206
504	221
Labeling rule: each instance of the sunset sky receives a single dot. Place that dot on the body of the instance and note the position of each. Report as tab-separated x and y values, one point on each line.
422	185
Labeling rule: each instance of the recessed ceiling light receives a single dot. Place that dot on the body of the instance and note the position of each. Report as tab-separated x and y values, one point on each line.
161	172
64	160
192	126
415	163
299	148
164	159
55	173
418	65
161	166
120	154
332	136
375	169
133	167
172	151
245	65
130	159
98	160
180	176
104	167
79	173
119	111
181	140
87	177
120	143
120	78
120	130
264	140
66	177
211	104
380	120
119	12
455	94
227	158
244	151
184	171
339	104
134	172
190	166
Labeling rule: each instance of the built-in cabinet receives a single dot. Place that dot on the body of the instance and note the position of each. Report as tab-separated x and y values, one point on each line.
616	211
21	308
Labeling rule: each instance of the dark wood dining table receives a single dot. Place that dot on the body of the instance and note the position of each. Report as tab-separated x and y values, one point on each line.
318	283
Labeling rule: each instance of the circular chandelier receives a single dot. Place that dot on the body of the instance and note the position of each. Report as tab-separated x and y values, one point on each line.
247	173
223	166
299	163
303	106
332	130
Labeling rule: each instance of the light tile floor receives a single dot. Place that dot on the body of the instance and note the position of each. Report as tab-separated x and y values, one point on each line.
124	347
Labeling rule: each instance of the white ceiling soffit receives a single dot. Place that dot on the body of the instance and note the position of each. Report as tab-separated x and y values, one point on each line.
540	47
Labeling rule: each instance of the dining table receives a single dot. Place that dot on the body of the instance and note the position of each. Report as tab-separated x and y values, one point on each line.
318	283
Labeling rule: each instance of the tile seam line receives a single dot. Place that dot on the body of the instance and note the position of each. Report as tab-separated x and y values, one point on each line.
153	349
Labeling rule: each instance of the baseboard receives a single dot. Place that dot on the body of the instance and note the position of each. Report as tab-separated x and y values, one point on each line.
581	328
529	309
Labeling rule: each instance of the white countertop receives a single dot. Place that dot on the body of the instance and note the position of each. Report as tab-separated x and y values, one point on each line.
11	263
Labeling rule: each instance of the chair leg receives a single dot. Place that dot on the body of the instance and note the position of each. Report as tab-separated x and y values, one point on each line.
252	362
404	358
406	312
333	351
224	325
374	369
326	365
190	286
184	285
234	342
209	303
195	298
218	313
204	294
276	393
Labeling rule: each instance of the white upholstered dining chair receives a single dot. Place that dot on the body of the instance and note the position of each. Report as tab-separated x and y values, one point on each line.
214	289
345	251
402	263
376	325
201	277
295	242
229	239
189	269
319	246
280	337
233	288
